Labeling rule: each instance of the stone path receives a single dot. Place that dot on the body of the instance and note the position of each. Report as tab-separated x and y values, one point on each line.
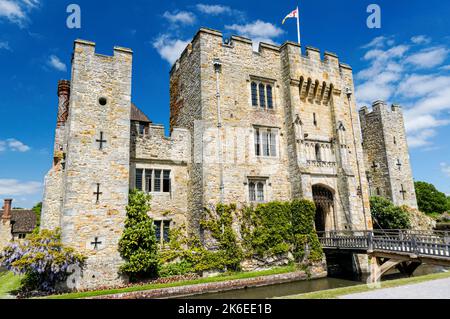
435	289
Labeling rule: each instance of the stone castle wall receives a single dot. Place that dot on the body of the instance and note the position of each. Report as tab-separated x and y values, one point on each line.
387	154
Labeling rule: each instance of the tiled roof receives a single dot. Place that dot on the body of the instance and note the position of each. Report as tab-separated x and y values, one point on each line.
23	221
138	115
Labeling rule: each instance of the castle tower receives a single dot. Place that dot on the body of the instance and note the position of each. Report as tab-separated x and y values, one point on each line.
96	172
387	154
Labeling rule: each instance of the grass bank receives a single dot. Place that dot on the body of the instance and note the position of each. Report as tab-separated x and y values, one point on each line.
235	276
335	293
8	283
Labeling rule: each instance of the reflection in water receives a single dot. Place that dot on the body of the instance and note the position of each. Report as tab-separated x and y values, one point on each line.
299	287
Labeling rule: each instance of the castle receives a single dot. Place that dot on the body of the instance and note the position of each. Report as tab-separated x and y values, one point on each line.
245	127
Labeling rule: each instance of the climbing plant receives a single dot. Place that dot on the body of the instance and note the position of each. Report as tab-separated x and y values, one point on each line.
266	230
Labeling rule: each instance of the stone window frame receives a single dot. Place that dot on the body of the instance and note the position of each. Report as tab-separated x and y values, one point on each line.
258	142
162	234
256	181
266	82
152	183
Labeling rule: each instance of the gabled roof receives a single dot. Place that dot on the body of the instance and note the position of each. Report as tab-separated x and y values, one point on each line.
137	115
23	221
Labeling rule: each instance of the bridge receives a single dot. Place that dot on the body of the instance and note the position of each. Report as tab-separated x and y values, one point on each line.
404	249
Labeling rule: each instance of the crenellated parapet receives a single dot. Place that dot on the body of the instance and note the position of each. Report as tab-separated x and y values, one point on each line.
154	145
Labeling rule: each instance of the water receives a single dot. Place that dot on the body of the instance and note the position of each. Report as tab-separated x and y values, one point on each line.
287	289
306	286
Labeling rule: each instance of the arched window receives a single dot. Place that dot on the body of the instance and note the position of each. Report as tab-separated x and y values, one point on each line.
254	94
262	96
318	156
260	193
269	97
252	191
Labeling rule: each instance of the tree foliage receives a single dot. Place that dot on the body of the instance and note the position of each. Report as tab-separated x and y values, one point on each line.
37	209
388	216
42	259
138	244
429	199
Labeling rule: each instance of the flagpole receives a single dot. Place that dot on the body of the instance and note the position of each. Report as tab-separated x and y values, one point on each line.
298	30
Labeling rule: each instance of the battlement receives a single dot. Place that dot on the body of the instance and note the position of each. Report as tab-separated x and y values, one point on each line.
311	57
154	144
380	108
89	47
158	131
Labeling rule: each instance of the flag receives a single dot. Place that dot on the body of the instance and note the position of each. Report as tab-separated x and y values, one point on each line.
293	14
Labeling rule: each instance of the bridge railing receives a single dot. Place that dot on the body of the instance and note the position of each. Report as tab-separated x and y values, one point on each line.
428	243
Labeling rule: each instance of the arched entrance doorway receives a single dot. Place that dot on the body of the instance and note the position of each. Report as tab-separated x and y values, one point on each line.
324	200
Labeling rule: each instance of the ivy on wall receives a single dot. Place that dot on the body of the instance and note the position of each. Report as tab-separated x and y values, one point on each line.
263	231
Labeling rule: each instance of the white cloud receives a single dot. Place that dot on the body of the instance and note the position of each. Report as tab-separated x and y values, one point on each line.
13	145
182	17
425	121
13	187
168	48
5	45
420	39
17	11
445	168
379	42
421	138
258	31
56	63
429	58
214	9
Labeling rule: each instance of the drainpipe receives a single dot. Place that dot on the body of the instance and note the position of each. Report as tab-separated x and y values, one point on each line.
349	95
218	68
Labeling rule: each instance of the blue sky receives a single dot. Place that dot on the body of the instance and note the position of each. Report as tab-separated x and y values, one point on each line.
406	61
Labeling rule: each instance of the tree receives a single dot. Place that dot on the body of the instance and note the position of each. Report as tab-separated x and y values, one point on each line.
429	199
448	204
388	216
37	210
138	244
42	259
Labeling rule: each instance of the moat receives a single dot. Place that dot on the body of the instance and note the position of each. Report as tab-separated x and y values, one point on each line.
300	287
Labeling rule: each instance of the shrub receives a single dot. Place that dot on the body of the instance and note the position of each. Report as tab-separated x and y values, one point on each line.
388	216
138	244
42	259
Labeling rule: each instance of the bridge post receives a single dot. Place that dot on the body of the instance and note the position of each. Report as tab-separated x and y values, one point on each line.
370	242
414	246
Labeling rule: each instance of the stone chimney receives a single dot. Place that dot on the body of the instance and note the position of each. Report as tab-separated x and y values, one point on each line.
7	209
63	101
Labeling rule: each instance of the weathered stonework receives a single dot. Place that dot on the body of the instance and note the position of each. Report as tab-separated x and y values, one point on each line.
387	155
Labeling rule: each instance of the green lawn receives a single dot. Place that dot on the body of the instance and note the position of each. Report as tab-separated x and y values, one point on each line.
335	293
8	283
243	275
